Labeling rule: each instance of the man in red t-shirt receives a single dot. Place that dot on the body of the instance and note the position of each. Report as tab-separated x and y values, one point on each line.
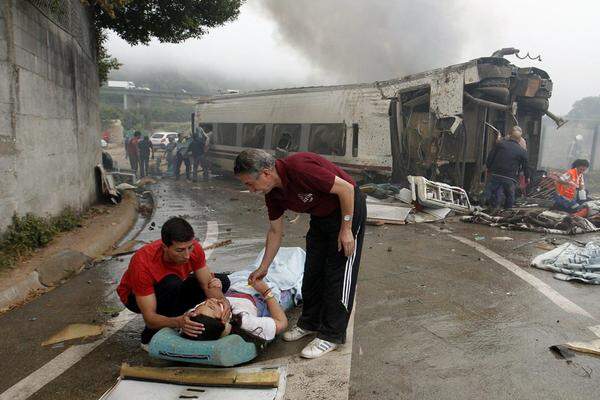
133	151
168	277
309	183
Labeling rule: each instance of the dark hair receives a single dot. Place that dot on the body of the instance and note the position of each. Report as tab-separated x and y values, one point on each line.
176	229
137	133
213	328
580	163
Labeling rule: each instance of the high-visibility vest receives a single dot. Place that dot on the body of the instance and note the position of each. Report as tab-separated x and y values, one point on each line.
567	191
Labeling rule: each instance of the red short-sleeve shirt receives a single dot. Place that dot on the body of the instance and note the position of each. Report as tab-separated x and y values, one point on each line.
148	267
307	179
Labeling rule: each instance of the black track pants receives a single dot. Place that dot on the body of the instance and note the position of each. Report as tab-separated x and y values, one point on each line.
330	277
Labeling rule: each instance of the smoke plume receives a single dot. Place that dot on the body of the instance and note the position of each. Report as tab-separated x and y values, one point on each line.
365	40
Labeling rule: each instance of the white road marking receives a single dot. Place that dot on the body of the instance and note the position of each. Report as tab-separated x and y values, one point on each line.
29	385
542	287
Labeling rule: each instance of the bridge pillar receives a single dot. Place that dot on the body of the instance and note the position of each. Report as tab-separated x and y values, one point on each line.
125	101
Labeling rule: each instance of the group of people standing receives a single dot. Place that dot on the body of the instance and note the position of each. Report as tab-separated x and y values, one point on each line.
138	152
507	167
189	151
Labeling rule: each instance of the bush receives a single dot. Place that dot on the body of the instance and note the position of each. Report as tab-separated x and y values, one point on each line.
31	232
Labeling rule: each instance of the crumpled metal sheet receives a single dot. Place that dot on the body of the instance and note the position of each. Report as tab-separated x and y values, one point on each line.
571	261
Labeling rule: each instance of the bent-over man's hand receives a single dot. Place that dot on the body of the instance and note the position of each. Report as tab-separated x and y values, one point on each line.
259	273
346	241
189	327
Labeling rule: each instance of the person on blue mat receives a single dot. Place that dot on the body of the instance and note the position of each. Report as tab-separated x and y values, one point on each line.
169	276
244	318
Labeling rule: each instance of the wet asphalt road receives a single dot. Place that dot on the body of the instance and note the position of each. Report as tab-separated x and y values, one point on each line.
435	319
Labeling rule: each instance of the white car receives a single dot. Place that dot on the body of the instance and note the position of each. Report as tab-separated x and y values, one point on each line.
160	139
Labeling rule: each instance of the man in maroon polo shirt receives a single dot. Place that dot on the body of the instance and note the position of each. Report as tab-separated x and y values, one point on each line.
168	277
309	183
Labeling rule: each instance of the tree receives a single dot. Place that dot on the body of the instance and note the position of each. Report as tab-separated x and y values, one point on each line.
170	21
586	108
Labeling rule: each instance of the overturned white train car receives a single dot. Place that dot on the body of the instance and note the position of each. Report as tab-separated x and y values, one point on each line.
440	124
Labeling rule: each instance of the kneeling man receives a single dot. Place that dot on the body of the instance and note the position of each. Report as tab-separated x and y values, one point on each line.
168	277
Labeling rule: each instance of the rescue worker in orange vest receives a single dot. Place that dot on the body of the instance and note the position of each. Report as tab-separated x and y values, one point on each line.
570	187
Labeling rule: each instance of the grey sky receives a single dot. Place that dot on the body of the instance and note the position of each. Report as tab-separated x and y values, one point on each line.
272	45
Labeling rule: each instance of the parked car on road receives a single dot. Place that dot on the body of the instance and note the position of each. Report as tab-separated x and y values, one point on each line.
160	139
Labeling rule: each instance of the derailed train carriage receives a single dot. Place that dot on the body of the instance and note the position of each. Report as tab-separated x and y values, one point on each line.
440	124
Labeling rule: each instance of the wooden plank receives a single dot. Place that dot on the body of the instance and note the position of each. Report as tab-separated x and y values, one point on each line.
592	347
203	376
266	378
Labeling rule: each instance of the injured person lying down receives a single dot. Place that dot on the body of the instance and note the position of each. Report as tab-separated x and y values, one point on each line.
244	319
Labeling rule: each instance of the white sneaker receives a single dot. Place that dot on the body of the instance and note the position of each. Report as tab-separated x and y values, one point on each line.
144	347
317	348
295	334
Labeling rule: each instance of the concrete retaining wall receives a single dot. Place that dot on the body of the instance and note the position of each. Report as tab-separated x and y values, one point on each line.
49	121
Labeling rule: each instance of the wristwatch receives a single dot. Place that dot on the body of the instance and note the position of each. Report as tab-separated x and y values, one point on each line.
347	218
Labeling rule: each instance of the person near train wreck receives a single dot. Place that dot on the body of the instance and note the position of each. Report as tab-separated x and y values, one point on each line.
145	148
504	163
309	183
133	151
570	187
167	278
197	151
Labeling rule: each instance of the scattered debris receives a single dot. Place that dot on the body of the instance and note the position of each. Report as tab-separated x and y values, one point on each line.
571	261
389	204
592	347
218	244
478	238
387	213
553	222
293	221
110	310
125	186
145	210
146	180
502	238
107	183
74	331
124	249
439	195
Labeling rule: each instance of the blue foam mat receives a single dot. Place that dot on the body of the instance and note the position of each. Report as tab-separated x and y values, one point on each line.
226	352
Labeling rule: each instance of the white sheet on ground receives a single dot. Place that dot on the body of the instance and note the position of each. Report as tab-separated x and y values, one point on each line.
285	273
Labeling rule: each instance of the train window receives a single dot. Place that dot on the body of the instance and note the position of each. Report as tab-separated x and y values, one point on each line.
354	140
286	137
328	139
253	135
226	134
